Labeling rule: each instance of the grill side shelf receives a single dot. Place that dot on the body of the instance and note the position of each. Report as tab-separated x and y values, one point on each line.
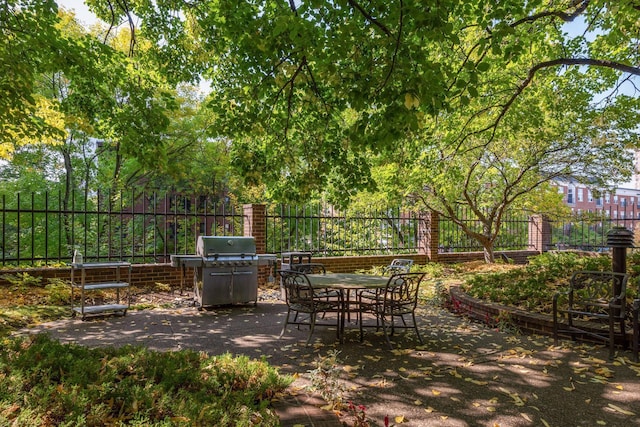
79	285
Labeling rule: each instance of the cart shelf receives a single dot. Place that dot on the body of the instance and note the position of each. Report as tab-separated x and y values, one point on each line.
122	299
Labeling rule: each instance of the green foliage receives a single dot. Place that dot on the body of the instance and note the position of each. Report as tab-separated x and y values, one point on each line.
22	281
325	378
532	287
58	292
456	104
52	383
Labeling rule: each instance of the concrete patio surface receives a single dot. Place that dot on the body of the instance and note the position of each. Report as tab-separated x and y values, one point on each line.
464	374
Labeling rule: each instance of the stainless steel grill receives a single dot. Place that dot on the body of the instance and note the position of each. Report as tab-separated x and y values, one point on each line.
225	270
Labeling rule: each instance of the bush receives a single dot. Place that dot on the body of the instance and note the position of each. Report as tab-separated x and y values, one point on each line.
532	286
43	382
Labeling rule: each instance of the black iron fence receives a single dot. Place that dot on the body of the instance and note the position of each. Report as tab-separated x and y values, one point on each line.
325	231
588	231
147	227
45	228
513	234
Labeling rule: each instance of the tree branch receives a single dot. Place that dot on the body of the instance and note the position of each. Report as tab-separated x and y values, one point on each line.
580	5
531	74
396	49
369	17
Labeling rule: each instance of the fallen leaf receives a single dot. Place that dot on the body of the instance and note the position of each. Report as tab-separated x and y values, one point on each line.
491	409
417	402
399	419
477	382
435	392
619	409
605	372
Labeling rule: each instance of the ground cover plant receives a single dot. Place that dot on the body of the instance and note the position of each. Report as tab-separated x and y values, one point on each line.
531	287
43	382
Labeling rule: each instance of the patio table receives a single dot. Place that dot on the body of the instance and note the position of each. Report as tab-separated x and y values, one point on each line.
345	283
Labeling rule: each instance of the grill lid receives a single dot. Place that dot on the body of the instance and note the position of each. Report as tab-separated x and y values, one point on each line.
222	246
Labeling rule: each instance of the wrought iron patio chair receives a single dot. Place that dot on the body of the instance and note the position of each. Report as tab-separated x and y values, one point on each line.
593	304
399	265
398	299
301	298
317	268
309	268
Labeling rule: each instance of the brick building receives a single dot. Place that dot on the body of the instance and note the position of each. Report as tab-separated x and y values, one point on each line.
620	204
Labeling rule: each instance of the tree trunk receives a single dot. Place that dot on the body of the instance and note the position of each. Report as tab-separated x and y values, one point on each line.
489	256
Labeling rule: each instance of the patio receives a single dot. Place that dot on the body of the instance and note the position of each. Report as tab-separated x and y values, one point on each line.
465	373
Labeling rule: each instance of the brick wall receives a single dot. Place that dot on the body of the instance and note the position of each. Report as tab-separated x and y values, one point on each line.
525	321
518	257
148	274
141	274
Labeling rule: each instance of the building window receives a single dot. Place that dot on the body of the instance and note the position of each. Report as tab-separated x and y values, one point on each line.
580	195
560	190
599	201
623	202
570	195
607	198
615	200
590	196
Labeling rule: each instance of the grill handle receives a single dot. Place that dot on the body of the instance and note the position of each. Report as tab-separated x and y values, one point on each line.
233	273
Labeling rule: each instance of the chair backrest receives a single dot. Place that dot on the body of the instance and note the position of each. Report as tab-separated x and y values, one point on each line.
598	291
401	292
297	287
309	268
399	265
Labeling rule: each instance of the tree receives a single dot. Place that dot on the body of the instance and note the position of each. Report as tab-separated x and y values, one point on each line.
330	82
314	95
29	41
493	100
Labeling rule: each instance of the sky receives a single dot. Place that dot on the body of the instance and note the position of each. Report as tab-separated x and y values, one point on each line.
82	11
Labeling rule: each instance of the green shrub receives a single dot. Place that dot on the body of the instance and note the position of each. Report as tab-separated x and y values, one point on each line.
43	382
532	286
58	292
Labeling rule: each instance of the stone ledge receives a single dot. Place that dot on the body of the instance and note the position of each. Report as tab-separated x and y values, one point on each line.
526	322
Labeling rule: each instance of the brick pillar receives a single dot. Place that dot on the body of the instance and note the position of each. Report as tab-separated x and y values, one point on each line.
255	225
428	235
539	233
